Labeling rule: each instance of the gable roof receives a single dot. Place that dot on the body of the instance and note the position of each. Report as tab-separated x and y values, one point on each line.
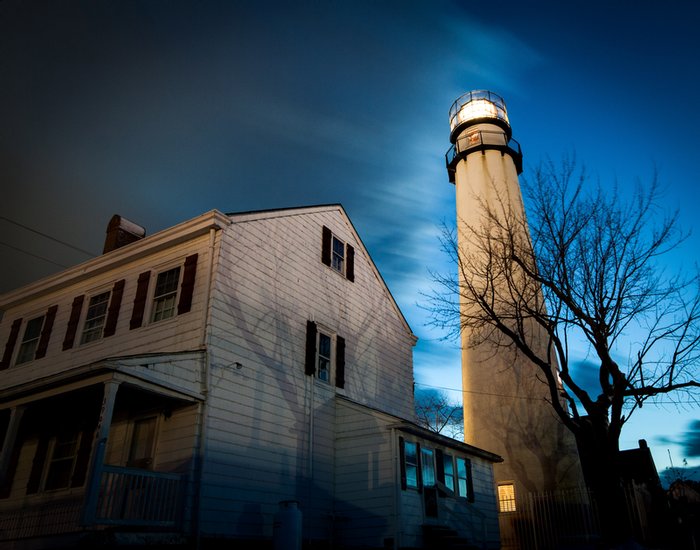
257	215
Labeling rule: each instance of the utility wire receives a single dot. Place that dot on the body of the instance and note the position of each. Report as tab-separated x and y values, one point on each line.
64	243
31	254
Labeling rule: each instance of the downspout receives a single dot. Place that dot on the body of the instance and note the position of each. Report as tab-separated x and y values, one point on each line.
203	407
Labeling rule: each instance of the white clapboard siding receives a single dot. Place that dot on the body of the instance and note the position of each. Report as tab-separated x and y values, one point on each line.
180	333
271	429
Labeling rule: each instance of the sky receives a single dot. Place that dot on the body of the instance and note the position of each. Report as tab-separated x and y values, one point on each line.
160	111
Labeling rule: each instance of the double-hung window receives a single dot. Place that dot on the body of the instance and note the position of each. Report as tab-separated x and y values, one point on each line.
465	487
448	471
410	452
30	340
63	456
95	318
165	294
506	497
323	371
325	355
427	458
338	254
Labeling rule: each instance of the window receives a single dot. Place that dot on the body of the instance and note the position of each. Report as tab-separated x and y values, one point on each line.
95	318
427	467
506	497
325	355
323	371
30	340
143	438
165	294
411	464
448	472
338	254
465	486
64	453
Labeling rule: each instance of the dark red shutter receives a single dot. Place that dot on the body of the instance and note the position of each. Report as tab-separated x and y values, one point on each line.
402	460
310	363
38	465
43	344
72	327
340	362
115	303
326	246
350	263
10	345
187	287
140	300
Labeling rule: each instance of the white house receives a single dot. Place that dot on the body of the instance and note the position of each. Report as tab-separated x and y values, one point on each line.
220	380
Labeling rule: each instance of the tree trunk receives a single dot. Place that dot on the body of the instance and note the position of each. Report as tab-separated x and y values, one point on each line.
600	462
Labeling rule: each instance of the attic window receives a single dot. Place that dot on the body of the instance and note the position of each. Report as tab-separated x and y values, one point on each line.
164	297
95	318
337	254
30	340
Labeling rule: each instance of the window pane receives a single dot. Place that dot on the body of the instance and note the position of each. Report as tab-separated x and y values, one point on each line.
448	468
428	467
462	477
142	439
165	294
324	357
95	318
65	450
30	340
506	497
411	464
338	254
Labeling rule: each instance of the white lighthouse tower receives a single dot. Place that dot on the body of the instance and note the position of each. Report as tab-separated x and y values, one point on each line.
505	403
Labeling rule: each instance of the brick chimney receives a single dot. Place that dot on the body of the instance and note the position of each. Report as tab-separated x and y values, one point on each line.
121	232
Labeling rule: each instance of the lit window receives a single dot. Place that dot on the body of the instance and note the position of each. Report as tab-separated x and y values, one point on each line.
30	340
506	497
323	370
165	295
449	472
64	453
411	464
95	318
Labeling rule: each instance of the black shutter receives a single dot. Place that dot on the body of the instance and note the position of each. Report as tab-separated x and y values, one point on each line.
140	300
350	263
187	286
402	460
38	465
326	246
470	481
43	344
310	362
72	327
10	345
419	468
439	466
115	303
340	362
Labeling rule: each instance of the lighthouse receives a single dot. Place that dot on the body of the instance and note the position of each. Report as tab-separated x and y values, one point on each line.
506	408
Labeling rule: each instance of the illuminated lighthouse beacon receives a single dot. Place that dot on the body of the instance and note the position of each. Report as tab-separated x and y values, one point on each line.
507	407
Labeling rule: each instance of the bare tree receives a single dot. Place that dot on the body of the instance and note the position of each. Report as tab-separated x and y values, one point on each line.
585	268
436	412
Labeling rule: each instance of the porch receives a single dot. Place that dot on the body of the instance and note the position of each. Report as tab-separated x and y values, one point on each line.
127	497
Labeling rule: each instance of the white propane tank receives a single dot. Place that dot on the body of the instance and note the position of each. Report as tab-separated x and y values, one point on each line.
287	526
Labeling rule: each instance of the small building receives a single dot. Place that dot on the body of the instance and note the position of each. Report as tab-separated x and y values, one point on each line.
216	379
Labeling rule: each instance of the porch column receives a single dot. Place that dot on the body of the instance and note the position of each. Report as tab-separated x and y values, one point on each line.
8	445
98	451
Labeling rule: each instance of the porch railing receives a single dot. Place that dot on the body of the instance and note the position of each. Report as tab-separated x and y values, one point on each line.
129	496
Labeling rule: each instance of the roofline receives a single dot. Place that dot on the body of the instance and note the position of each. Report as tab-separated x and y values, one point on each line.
256	215
161	240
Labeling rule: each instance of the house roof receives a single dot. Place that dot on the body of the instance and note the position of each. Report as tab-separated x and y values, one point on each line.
256	215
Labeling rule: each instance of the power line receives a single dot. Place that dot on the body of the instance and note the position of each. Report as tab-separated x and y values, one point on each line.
64	243
31	254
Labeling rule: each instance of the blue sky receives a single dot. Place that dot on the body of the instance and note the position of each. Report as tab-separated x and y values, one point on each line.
160	111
